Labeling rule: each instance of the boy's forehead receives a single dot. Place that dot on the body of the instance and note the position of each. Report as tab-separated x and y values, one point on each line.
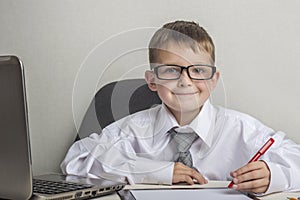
174	52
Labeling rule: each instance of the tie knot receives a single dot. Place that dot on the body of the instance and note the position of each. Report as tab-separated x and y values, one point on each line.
184	140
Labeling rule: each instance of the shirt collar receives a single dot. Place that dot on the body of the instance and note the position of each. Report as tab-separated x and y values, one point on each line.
164	121
200	125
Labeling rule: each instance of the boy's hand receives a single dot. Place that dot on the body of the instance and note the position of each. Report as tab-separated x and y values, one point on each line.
183	173
253	177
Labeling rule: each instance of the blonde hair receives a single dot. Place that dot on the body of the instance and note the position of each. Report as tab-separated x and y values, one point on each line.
182	33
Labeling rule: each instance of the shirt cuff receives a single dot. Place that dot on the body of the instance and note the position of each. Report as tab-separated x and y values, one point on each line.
153	172
278	180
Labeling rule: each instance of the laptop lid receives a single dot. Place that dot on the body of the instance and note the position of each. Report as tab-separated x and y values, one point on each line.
15	168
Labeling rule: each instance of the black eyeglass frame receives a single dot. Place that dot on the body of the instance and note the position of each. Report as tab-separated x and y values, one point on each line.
214	69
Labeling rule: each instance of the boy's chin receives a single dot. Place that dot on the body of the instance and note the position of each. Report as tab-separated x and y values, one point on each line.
188	109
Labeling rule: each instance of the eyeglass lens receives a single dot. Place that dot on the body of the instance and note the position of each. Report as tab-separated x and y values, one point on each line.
170	72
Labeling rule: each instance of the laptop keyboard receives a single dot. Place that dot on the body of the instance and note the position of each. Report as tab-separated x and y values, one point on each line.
54	187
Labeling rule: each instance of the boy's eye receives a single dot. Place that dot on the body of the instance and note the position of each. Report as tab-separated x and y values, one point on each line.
170	69
198	70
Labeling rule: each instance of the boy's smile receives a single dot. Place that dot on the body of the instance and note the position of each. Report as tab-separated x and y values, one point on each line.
184	93
184	97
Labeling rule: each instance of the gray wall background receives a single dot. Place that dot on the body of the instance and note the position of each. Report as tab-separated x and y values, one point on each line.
70	48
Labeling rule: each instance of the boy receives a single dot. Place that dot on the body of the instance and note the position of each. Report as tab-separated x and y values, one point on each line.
187	139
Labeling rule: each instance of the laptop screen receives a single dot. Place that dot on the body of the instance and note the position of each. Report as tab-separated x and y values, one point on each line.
15	168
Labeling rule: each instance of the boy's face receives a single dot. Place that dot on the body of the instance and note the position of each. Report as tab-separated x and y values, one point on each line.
183	96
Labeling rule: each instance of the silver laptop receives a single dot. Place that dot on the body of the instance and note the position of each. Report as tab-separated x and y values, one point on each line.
16	181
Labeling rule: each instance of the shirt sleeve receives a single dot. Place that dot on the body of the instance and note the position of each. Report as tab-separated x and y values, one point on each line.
283	161
114	158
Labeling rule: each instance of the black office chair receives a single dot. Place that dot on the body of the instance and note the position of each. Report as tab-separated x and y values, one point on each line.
115	101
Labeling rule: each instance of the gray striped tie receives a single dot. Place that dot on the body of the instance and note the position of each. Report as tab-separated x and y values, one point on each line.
184	141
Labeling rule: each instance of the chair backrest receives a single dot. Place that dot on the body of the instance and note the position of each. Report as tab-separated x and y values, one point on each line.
114	101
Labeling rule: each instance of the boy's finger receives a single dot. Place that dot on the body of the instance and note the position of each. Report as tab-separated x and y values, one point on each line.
183	178
200	179
258	186
247	168
183	170
251	175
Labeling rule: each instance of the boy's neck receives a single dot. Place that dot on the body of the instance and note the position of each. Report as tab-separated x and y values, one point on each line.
185	118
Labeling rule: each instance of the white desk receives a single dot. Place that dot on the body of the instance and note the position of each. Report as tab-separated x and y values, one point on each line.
277	196
211	184
113	196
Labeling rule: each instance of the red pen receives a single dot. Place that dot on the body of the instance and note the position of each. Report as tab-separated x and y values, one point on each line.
262	150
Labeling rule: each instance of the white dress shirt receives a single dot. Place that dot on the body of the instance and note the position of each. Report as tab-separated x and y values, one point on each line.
139	148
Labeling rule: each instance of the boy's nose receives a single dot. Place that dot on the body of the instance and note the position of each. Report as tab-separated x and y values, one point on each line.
184	79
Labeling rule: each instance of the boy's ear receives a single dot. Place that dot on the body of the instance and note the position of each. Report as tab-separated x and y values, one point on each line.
215	79
150	79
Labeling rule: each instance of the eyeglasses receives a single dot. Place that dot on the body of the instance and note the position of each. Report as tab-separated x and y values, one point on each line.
173	72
